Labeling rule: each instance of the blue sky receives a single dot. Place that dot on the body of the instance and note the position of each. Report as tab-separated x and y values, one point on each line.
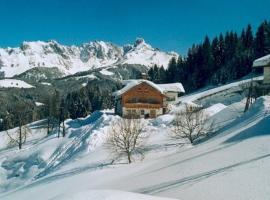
166	24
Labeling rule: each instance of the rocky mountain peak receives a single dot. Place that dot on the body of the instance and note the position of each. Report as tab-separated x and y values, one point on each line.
73	59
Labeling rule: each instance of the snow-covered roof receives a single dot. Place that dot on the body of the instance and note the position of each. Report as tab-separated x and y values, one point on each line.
263	61
134	83
162	88
172	87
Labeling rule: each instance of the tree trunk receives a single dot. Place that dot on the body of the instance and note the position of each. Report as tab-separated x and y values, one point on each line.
20	137
129	158
190	139
48	126
248	102
64	129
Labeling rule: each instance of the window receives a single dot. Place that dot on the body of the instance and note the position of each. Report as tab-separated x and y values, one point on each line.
142	112
170	98
128	112
153	101
152	113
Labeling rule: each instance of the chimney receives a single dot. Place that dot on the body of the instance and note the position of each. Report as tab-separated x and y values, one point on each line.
144	76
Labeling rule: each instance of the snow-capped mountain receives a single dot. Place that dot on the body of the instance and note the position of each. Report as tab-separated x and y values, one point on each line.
73	59
144	54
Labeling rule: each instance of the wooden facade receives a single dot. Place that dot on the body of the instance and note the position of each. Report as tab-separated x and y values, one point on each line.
143	100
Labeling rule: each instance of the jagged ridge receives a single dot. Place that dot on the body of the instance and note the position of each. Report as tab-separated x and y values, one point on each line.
73	59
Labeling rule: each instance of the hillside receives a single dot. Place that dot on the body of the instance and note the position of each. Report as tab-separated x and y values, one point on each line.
232	164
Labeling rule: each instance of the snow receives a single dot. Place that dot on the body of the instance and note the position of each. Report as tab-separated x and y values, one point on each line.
73	59
39	104
172	87
45	83
14	83
199	95
143	54
232	164
134	83
214	109
106	72
162	88
107	195
263	61
89	76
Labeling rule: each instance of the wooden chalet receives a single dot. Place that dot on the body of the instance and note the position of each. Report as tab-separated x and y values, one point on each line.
143	98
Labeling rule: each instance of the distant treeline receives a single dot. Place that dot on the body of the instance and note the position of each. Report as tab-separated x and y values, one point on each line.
225	58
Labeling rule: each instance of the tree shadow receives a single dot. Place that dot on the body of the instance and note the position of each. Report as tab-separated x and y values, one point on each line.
262	128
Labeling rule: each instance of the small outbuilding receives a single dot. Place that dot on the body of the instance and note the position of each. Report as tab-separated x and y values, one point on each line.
265	63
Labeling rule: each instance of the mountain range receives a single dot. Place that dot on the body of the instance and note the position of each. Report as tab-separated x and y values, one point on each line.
73	59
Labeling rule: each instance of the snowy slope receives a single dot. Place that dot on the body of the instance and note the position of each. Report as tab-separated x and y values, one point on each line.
107	195
73	59
14	83
234	164
235	86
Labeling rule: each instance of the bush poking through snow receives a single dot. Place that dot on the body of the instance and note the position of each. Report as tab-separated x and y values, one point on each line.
126	137
190	123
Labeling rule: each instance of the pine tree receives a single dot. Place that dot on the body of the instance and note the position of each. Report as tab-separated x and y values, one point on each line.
162	74
171	72
262	40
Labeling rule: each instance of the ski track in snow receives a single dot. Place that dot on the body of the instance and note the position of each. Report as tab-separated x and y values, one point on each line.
66	151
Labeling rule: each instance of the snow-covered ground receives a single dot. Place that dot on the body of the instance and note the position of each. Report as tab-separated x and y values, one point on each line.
14	83
235	86
233	164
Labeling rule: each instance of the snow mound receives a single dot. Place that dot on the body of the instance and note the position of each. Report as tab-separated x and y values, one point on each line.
214	109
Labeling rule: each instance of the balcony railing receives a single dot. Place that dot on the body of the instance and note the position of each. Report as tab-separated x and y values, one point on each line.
143	105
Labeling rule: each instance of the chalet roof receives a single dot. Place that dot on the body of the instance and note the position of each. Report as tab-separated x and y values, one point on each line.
263	61
172	87
162	88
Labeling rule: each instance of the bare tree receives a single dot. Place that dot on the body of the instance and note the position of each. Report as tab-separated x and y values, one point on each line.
20	136
126	137
21	112
52	111
251	92
61	117
191	123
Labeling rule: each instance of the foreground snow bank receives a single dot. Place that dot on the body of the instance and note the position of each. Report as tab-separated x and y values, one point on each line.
107	195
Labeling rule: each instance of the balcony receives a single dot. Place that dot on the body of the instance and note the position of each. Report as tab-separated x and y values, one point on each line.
143	105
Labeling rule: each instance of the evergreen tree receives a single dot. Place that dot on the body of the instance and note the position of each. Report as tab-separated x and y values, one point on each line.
262	40
162	74
171	72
